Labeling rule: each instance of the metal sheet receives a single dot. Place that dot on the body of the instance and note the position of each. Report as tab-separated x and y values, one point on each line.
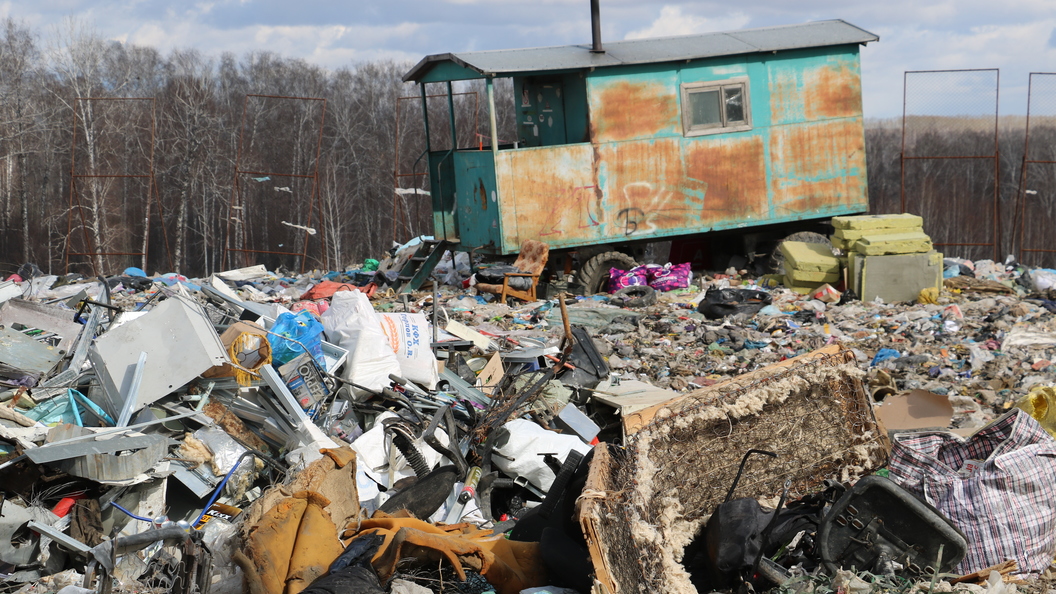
631	107
641	51
818	168
813	88
22	353
47	318
59	536
179	340
547	193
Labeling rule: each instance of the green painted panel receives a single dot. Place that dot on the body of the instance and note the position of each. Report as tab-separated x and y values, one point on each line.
478	207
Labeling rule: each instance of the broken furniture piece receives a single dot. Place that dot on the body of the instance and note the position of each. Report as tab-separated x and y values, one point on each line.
531	261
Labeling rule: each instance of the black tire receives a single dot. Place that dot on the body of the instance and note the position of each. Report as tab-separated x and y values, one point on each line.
777	259
594	274
635	296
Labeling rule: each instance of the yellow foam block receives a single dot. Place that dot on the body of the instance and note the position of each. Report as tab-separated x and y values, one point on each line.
888	221
809	257
844	239
899	243
803	277
801	288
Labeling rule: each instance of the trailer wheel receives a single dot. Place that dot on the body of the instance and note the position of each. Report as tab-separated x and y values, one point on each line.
777	259
594	274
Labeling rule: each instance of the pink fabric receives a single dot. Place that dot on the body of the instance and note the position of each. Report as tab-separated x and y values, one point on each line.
670	277
634	277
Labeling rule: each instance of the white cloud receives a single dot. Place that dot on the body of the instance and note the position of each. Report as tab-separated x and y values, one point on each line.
673	22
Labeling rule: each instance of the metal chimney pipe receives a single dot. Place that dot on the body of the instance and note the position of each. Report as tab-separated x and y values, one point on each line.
595	25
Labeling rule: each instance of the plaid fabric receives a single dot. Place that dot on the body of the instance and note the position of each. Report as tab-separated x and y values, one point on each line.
1004	500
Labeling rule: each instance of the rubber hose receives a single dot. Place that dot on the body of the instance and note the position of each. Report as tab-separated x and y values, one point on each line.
411	453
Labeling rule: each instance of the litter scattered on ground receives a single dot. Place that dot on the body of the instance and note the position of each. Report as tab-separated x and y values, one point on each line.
688	431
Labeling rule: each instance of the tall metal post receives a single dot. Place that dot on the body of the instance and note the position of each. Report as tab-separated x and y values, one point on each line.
494	129
451	114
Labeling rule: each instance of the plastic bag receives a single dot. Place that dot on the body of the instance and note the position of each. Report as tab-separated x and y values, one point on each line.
1040	403
410	336
719	303
519	455
619	279
351	324
303	328
671	277
995	486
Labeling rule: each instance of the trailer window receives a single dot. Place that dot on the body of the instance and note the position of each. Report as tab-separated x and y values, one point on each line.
712	107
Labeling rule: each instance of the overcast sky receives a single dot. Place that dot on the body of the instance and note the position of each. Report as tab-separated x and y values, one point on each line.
1016	36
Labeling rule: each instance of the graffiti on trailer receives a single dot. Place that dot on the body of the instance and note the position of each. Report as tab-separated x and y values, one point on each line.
580	203
641	209
646	207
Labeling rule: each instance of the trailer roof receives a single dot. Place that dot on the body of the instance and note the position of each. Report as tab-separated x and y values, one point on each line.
512	62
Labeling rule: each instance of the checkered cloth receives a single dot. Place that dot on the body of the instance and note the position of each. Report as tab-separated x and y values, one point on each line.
998	487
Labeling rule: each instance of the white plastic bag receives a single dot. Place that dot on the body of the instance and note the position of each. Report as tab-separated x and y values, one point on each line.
410	336
351	324
519	455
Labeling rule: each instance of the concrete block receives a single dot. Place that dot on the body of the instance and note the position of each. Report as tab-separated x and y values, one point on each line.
816	257
900	243
888	221
897	278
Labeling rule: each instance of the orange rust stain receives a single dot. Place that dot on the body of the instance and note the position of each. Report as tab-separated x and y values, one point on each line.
832	91
734	173
785	97
801	196
483	195
627	110
645	189
550	197
818	165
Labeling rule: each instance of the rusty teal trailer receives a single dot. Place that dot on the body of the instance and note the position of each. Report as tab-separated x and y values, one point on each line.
658	138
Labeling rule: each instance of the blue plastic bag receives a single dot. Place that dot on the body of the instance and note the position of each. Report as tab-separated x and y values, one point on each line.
302	328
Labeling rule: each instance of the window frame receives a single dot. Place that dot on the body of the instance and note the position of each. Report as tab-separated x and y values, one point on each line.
689	130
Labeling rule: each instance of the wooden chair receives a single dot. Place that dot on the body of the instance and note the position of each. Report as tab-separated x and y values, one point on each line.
531	260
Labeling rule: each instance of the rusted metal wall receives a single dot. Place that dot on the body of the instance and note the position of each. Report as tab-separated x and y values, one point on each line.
641	178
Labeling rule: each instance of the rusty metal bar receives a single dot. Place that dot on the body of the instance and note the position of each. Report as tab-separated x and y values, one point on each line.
953	157
106	253
1021	199
314	200
266	252
75	200
995	230
85	175
273	174
400	213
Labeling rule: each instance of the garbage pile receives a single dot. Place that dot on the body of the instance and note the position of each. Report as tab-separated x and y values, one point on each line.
325	433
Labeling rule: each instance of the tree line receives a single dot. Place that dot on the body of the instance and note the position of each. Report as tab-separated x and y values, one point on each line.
114	155
202	162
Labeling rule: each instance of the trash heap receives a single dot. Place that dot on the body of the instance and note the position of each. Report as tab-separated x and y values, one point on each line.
259	432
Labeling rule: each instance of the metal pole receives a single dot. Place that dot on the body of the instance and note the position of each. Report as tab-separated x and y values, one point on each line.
902	153
451	116
491	118
425	117
997	168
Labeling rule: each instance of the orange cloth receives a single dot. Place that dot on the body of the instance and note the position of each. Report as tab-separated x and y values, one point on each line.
293	543
510	566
